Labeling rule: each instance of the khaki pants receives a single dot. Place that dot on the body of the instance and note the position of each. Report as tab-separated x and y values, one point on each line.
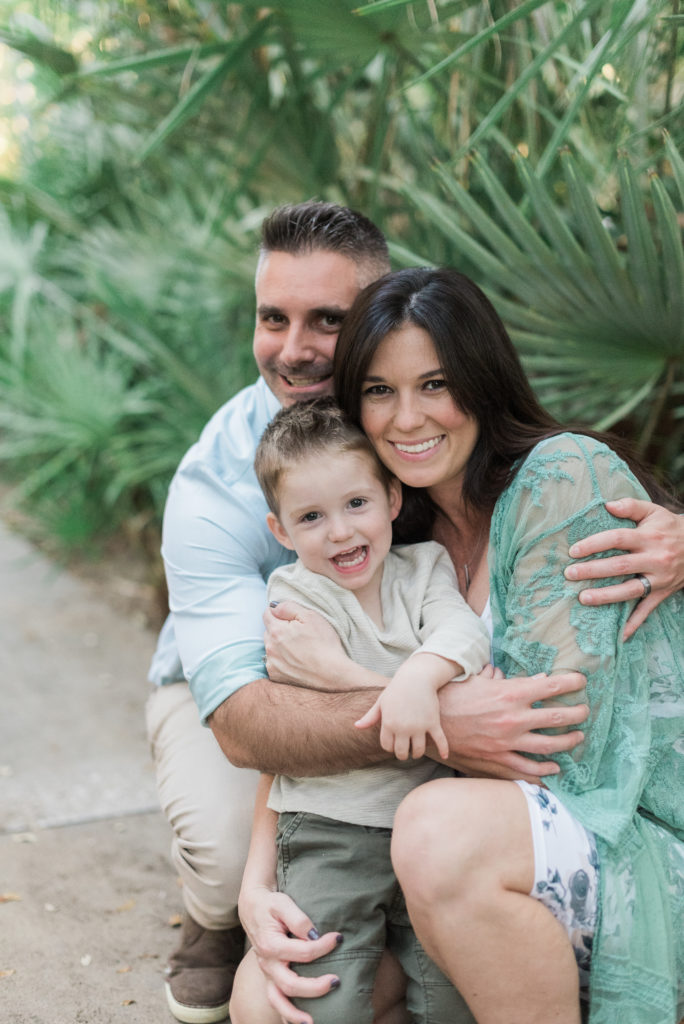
206	800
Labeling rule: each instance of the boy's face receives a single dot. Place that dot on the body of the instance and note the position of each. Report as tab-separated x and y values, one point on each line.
337	515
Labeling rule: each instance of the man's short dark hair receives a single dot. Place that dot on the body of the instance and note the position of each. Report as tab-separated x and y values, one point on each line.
310	226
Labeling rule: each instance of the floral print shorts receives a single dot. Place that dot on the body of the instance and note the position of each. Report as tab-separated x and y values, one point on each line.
566	871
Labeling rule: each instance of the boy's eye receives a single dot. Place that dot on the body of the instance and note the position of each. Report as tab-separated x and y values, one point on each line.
310	517
357	502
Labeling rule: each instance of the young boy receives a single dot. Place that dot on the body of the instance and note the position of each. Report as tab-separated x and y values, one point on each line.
399	613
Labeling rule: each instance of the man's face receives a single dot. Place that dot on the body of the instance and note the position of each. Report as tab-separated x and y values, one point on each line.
301	303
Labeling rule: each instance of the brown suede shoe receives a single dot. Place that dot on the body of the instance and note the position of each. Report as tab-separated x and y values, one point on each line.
201	972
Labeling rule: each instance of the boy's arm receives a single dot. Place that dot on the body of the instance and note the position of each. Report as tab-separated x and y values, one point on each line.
408	709
455	644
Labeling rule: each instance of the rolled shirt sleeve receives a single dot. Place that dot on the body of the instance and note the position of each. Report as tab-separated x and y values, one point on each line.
218	554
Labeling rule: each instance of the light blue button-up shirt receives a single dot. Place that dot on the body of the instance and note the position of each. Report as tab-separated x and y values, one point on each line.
218	554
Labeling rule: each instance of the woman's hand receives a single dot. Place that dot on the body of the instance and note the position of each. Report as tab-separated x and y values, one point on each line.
303	649
655	550
281	934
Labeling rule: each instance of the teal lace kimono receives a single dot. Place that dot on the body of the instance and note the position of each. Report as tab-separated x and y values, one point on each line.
625	782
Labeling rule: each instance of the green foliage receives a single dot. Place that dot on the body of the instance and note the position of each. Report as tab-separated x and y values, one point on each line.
160	133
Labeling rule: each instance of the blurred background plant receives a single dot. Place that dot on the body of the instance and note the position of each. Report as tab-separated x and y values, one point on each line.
536	145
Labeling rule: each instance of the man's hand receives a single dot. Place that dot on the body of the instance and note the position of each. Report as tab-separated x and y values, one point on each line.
655	550
489	722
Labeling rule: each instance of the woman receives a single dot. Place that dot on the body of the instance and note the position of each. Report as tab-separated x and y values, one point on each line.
423	362
425	365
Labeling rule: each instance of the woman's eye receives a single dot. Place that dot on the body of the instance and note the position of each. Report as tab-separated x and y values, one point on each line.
437	384
377	389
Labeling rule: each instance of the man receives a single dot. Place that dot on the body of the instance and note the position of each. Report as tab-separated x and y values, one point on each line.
218	554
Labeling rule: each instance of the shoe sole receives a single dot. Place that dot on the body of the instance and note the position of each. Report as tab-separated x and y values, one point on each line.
195	1014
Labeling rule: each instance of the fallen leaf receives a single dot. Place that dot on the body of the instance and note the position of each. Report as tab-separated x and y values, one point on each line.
8	973
9	897
128	905
128	1002
123	970
176	920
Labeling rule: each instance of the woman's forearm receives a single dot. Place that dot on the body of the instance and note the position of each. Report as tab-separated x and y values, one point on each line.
260	869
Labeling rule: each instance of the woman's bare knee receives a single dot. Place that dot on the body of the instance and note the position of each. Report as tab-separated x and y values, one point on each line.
449	838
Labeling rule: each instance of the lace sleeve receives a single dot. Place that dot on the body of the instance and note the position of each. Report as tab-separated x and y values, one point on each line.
557	498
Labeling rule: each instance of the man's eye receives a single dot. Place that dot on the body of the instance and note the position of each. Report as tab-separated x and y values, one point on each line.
332	320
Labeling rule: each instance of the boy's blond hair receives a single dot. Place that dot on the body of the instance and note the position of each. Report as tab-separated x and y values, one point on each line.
303	429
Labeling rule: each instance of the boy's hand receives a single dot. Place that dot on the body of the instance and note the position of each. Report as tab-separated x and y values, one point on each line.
406	719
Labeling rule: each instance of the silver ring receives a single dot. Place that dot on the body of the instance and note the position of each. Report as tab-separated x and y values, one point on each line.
646	584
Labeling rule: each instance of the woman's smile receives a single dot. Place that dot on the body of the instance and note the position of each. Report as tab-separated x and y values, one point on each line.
417	448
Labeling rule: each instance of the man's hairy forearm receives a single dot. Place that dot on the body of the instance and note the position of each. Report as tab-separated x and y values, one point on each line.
286	730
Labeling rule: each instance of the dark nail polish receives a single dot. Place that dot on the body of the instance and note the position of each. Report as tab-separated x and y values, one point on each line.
339	938
335	983
313	934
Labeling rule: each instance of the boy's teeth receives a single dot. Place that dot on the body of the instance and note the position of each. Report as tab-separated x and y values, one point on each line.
349	559
414	449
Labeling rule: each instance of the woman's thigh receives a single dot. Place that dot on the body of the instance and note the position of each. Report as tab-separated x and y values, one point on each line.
453	834
515	835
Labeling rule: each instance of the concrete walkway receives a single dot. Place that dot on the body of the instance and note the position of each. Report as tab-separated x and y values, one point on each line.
87	893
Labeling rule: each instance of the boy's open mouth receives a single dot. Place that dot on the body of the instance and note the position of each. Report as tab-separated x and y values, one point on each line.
350	559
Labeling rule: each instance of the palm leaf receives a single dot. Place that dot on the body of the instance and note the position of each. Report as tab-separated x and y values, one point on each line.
204	86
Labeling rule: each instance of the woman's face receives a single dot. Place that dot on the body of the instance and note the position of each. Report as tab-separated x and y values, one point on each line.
418	430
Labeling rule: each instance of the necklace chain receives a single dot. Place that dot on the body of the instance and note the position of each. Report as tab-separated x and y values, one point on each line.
474	554
475	551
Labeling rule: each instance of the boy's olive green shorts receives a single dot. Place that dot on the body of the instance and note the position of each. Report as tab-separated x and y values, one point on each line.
341	876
